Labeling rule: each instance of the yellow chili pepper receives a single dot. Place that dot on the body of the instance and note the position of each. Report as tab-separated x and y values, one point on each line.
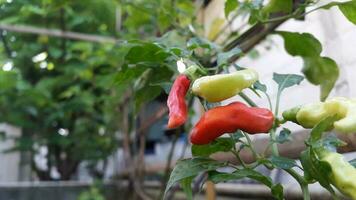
223	86
310	114
343	174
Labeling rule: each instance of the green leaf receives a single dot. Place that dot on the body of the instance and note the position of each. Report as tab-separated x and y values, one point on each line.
318	130
230	5
316	169
284	6
196	42
146	94
331	142
260	86
172	39
353	162
301	44
146	52
348	9
218	177
282	163
223	58
287	80
190	168
277	191
307	165
318	70
321	71
127	75
8	79
166	86
218	145
331	4
186	185
284	136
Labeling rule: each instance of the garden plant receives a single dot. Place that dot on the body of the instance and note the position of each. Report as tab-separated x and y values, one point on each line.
74	96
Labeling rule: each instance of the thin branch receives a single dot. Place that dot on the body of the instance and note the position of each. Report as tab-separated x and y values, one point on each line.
62	24
6	45
253	36
162	111
168	164
58	33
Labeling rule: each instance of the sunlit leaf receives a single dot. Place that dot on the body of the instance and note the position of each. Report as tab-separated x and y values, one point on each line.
188	168
287	80
230	5
218	145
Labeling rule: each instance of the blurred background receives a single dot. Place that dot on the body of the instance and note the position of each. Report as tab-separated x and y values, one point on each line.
65	106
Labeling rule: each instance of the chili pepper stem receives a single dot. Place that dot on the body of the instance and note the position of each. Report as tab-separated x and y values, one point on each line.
239	158
274	144
269	101
277	103
302	183
247	99
194	71
250	145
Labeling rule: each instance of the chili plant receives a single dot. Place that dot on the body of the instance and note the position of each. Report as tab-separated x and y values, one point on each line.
319	162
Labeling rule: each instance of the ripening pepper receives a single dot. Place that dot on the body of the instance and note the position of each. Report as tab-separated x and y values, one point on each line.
219	87
228	119
310	114
176	102
343	174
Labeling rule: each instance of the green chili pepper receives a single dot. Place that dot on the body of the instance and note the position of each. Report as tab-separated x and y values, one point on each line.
343	174
223	86
311	114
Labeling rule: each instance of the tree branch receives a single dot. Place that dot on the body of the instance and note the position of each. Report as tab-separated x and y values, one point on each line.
58	33
253	36
6	45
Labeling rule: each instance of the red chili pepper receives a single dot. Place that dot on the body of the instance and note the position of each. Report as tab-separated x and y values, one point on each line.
176	102
228	119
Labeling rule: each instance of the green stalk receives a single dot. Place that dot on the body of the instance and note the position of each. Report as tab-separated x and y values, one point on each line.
277	103
250	145
239	158
302	183
274	144
247	99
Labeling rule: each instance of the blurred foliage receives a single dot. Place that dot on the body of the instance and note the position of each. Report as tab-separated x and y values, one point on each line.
66	94
69	95
93	193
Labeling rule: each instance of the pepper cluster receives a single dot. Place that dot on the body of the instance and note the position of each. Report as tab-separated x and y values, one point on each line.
220	119
343	174
310	114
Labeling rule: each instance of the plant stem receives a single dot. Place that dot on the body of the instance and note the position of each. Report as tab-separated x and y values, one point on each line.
168	164
302	183
276	19
269	101
305	190
277	103
239	158
274	144
250	144
295	15
247	99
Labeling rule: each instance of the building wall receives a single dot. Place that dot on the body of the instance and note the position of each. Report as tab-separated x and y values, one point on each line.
333	30
9	162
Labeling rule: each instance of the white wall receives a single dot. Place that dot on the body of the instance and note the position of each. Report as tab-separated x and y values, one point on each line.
338	38
9	162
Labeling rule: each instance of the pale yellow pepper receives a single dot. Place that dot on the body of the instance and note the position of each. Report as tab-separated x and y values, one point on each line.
310	114
219	87
343	174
